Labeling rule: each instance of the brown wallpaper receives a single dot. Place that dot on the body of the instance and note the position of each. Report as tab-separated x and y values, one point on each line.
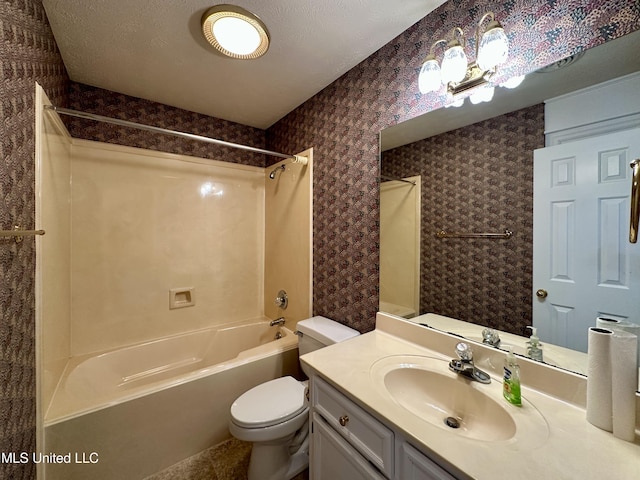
341	123
343	120
123	107
28	53
477	179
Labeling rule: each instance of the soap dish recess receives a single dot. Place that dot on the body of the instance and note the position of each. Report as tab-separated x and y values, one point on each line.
182	297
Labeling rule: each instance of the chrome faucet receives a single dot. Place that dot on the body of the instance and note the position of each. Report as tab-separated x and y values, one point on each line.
464	365
277	321
490	337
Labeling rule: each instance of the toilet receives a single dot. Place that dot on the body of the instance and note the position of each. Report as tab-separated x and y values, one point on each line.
274	415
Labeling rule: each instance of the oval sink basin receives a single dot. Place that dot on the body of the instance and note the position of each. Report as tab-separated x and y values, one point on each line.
425	387
450	403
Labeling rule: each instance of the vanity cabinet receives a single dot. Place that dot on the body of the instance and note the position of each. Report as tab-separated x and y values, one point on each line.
334	458
349	443
415	466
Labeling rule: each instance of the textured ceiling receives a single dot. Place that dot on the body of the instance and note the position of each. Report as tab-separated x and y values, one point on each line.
154	49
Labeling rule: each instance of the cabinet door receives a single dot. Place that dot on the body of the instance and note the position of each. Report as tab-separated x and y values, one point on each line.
332	458
366	434
415	466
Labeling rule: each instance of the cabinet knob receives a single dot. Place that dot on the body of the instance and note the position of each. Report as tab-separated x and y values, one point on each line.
344	419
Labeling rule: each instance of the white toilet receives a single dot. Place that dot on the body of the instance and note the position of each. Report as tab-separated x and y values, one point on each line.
275	414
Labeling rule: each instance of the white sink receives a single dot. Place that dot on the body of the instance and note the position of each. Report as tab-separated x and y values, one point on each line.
426	388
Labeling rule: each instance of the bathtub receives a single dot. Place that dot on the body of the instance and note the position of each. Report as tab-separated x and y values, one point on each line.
137	410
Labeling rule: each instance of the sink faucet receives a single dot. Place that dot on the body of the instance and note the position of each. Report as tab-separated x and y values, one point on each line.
490	337
277	321
464	365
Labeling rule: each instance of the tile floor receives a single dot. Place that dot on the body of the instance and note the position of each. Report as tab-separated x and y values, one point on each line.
226	461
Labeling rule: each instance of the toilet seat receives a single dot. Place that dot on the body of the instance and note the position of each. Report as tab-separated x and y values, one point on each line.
269	403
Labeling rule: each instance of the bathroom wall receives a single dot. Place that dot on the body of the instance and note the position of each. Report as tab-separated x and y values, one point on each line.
111	104
288	199
341	123
343	120
145	223
28	53
477	178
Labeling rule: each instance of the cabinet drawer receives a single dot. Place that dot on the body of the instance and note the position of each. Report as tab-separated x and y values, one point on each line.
365	433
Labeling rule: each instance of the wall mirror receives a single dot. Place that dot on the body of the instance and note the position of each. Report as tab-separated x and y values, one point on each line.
485	282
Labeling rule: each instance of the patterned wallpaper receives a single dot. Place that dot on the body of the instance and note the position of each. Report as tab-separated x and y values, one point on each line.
477	179
115	105
343	120
28	53
341	123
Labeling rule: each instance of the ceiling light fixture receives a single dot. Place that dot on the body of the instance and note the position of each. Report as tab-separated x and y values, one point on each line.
235	32
456	72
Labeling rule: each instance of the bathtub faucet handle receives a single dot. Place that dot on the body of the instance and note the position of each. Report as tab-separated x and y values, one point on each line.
281	301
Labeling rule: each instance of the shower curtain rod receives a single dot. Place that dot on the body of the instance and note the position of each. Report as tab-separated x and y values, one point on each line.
140	126
389	177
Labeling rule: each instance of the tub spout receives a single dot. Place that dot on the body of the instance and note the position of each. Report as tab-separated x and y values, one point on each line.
277	321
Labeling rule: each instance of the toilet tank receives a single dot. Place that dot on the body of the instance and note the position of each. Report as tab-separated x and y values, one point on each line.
318	332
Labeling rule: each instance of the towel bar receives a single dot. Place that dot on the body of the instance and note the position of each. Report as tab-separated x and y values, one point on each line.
444	234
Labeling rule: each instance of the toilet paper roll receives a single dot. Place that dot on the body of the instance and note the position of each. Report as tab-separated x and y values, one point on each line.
624	381
615	324
599	383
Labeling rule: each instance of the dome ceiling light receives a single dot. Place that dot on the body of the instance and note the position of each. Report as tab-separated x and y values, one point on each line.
235	32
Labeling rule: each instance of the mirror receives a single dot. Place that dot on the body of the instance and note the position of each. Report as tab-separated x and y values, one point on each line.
484	282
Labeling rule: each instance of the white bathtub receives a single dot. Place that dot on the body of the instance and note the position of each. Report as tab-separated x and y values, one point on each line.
148	406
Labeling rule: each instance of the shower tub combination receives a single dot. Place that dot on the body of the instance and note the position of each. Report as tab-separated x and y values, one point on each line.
139	409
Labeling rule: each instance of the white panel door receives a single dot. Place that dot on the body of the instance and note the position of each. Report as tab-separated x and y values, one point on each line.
582	257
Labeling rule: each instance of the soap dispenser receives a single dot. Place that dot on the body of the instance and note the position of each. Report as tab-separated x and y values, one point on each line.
534	347
511	381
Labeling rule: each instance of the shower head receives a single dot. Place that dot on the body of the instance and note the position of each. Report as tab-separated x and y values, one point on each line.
272	175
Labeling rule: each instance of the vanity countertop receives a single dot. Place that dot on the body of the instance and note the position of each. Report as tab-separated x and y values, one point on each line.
572	449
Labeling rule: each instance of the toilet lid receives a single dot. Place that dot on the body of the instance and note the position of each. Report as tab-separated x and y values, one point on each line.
269	403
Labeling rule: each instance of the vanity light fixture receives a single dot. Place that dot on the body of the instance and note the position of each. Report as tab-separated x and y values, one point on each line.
235	32
456	72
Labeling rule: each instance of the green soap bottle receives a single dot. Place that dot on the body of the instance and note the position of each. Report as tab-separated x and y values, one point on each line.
511	382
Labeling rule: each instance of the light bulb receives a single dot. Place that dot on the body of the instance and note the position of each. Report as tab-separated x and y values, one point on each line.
513	82
456	103
494	47
454	64
236	35
429	78
487	93
484	94
475	98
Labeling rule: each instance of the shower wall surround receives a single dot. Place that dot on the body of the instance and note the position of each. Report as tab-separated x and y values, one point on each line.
127	227
341	123
144	223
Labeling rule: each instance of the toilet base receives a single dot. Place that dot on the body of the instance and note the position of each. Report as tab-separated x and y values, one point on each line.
275	462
